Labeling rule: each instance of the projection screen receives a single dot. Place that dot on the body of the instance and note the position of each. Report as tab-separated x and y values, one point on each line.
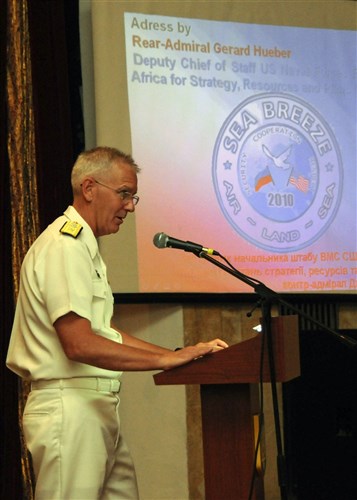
242	116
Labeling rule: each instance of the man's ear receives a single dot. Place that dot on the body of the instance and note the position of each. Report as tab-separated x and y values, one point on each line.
87	186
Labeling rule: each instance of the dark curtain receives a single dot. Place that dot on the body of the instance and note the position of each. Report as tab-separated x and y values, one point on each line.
59	137
10	460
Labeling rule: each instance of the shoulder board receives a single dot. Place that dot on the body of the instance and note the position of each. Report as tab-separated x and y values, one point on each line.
72	228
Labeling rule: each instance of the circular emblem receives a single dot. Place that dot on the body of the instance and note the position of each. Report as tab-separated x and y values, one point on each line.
277	172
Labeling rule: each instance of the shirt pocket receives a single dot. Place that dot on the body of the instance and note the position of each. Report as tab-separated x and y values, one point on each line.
100	294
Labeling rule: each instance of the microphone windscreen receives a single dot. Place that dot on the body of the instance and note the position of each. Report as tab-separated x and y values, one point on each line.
160	240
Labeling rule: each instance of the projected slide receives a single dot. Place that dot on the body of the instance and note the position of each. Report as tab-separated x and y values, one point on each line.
246	135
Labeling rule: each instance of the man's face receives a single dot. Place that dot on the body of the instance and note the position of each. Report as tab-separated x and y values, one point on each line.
113	198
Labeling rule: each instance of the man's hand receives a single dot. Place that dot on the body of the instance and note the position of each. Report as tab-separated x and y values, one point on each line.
187	354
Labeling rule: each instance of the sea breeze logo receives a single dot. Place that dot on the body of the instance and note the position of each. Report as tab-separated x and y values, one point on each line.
277	172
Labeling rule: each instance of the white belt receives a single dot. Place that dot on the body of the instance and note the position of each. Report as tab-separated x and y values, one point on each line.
94	383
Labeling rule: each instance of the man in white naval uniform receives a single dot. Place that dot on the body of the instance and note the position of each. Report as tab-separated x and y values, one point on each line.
64	343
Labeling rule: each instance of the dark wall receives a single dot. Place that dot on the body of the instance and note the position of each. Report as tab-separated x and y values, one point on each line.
321	420
57	82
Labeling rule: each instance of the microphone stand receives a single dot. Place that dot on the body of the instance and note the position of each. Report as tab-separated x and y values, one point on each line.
267	297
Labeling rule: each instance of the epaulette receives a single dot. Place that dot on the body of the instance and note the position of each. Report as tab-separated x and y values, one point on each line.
72	228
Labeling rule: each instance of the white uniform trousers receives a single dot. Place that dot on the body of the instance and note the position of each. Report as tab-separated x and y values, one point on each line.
73	435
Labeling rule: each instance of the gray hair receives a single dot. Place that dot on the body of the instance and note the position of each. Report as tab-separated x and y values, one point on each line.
99	160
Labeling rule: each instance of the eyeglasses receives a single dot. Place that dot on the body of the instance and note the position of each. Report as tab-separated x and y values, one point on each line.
126	196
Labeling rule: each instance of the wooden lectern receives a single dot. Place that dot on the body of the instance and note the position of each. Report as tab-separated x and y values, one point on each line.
229	399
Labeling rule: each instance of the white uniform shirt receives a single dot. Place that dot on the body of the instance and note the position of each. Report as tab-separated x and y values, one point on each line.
59	274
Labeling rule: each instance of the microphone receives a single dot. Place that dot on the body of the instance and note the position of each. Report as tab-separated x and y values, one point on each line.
162	240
